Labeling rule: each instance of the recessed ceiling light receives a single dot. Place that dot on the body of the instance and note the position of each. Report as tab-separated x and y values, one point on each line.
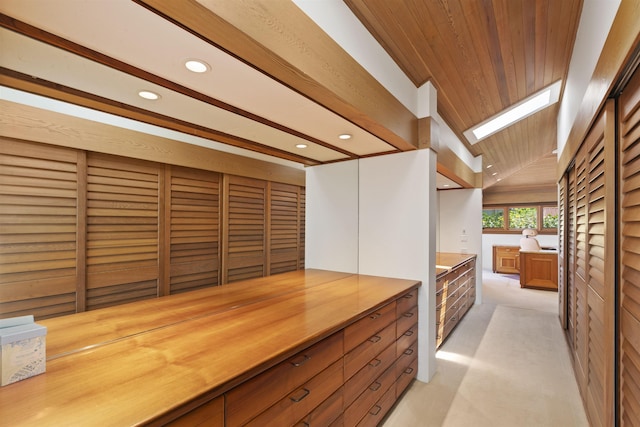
301	145
494	174
147	94
515	113
555	151
489	166
344	136
499	179
197	66
445	185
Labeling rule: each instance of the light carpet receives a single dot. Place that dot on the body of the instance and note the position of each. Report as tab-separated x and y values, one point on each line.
506	364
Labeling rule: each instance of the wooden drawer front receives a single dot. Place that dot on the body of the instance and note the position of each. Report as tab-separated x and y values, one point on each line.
405	302
407	341
210	414
449	325
407	338
407	348
406	320
370	348
371	394
453	306
365	376
375	414
439	296
339	422
408	374
328	411
255	395
364	328
451	295
405	359
303	400
440	283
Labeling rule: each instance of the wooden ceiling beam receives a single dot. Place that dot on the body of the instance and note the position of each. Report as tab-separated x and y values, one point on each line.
280	40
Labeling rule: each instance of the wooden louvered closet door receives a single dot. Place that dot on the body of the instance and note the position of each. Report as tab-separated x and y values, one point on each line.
591	290
562	248
284	225
581	327
570	257
123	205
244	245
601	229
193	229
38	227
629	260
303	205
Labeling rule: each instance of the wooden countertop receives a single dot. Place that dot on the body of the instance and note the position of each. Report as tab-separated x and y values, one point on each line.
130	364
447	261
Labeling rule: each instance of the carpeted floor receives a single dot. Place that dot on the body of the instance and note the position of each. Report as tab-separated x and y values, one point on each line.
506	364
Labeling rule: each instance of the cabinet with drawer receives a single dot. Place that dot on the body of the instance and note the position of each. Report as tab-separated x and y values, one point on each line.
376	361
506	259
285	383
455	293
321	349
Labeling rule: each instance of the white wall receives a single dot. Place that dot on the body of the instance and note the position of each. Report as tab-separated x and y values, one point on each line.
390	231
595	22
488	240
460	226
332	217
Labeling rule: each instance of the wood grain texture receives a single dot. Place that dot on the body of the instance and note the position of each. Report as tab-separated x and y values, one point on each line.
629	257
83	230
282	41
34	124
482	56
38	224
201	352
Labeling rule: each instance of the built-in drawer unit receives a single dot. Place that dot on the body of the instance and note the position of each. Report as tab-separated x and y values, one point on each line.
317	348
455	294
285	380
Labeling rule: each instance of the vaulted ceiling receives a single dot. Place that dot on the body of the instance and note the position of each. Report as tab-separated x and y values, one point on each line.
277	80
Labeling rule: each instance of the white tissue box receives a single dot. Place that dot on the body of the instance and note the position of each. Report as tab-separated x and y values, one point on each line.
22	349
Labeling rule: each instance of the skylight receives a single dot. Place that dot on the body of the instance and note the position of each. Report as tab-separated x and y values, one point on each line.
536	102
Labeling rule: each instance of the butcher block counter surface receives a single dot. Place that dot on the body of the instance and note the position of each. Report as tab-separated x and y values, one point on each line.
447	261
133	364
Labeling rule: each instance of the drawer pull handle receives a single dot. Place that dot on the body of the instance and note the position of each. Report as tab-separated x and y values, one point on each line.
375	338
439	292
408	351
375	362
408	296
377	410
299	362
375	386
454	318
408	371
305	393
409	314
374	316
408	333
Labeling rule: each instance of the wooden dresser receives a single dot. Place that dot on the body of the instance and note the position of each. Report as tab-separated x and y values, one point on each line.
455	290
506	259
308	347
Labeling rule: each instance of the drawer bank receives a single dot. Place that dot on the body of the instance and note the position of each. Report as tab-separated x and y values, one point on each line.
310	347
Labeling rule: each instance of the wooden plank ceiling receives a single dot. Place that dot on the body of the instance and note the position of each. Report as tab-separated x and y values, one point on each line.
481	55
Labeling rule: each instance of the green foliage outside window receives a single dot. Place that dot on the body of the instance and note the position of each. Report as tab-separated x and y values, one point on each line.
513	219
520	218
549	217
492	218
